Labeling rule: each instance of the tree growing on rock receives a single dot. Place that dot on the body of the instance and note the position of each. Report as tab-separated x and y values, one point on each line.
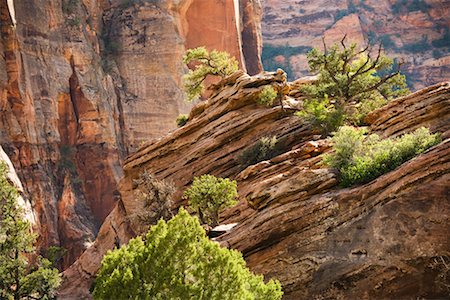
350	84
21	277
157	198
215	63
208	195
176	260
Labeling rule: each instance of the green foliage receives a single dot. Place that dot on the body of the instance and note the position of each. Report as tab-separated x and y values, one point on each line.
55	255
182	120
321	114
176	260
267	95
19	278
361	159
217	63
387	42
264	149
209	194
349	83
157	197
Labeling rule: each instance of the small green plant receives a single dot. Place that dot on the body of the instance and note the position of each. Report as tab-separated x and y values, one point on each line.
55	255
361	159
176	260
267	95
265	148
215	63
182	120
208	195
69	6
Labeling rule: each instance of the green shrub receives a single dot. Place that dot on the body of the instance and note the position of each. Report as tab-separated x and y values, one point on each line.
321	115
265	148
267	95
216	63
176	260
208	195
182	120
361	159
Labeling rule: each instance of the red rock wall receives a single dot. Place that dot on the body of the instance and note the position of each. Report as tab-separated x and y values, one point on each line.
82	84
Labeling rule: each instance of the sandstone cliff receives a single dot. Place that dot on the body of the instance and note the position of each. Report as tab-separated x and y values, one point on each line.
295	222
414	31
84	82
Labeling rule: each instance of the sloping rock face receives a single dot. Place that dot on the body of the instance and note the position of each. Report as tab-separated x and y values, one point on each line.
295	223
85	82
415	32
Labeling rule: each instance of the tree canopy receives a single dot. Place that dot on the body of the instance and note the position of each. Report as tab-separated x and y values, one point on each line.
19	276
351	82
216	63
209	194
176	260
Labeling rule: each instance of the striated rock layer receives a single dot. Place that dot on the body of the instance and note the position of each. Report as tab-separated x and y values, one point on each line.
388	238
84	83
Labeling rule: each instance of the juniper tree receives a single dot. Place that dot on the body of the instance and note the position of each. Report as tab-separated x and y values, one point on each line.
351	83
216	63
176	260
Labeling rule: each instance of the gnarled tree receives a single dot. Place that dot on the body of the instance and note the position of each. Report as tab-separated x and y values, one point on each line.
350	83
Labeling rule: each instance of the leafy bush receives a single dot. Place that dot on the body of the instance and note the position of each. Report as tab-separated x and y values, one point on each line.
444	41
216	63
420	46
157	197
264	149
20	276
209	194
322	115
182	120
267	95
361	159
176	260
349	83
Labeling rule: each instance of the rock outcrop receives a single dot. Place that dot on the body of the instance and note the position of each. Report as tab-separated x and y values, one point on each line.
295	223
415	32
83	83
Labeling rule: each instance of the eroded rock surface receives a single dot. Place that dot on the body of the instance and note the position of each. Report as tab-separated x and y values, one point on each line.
295	222
83	84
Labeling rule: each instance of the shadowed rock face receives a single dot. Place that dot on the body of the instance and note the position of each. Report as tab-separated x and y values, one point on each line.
84	83
295	223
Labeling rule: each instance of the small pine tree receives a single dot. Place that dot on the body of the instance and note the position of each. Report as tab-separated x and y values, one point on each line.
208	195
176	260
19	278
216	63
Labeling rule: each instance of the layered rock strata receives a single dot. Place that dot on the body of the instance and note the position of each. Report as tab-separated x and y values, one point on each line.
295	223
84	83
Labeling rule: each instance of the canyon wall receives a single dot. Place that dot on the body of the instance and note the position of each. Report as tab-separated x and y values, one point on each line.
83	83
295	222
414	31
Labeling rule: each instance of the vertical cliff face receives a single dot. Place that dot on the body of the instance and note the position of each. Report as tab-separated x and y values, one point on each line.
417	32
85	82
